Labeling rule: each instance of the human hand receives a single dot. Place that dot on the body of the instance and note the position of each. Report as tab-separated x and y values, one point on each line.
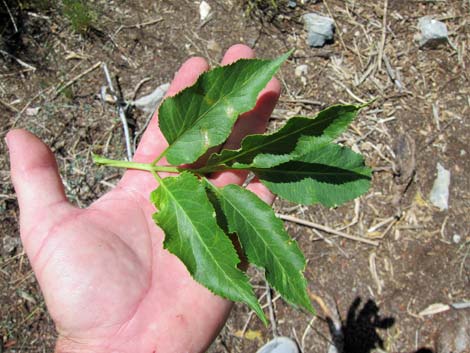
107	281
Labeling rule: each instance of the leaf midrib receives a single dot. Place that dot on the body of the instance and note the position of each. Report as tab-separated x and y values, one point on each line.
257	147
199	236
253	227
297	172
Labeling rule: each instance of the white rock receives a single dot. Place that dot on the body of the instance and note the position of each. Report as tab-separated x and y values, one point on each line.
10	244
439	196
319	28
212	45
204	10
301	70
432	32
32	111
456	238
433	309
279	345
150	102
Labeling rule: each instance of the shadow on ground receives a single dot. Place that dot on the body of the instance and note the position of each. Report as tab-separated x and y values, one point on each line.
360	331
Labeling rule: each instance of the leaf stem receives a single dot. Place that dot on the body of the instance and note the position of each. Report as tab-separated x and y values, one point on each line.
156	160
149	167
157	177
152	168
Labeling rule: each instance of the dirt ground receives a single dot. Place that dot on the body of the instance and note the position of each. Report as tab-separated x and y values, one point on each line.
420	117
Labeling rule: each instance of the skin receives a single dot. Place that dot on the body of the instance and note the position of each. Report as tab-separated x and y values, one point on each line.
107	281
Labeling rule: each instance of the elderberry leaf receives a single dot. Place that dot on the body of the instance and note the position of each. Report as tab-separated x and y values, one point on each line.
192	234
203	115
268	150
329	174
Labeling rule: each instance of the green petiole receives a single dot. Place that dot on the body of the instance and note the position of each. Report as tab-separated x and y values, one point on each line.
152	168
149	167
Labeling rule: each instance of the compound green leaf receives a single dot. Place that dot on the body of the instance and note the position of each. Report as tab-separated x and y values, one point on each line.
192	234
330	175
202	116
269	150
265	242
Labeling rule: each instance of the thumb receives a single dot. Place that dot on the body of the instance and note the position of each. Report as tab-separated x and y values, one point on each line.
35	176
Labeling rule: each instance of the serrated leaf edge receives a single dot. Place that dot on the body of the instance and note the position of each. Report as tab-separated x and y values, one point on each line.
259	311
223	162
218	194
281	58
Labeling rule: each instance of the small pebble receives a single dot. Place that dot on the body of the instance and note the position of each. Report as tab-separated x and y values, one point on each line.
301	70
456	238
32	111
320	29
213	46
10	244
204	10
432	32
279	345
292	4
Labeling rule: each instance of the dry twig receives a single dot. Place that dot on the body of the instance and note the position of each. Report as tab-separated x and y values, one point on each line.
272	319
336	25
384	35
11	16
138	25
19	61
76	78
326	229
348	91
121	112
9	106
374	273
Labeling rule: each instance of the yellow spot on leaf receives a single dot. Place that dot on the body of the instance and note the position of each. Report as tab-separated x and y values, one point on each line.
229	110
205	137
209	101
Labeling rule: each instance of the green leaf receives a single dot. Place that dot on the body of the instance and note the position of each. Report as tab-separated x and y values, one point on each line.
192	234
265	242
269	150
202	116
328	174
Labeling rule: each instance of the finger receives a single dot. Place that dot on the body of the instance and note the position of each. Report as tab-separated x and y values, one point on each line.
256	120
252	122
237	52
34	174
234	53
254	186
262	191
153	142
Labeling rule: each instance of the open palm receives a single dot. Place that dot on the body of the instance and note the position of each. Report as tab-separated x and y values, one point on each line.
108	283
